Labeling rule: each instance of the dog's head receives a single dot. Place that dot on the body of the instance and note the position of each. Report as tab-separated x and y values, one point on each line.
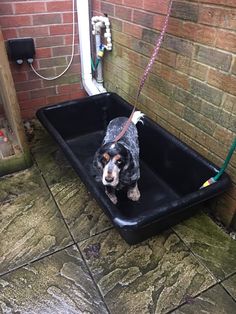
112	159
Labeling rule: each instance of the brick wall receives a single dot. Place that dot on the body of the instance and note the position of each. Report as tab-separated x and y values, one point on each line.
49	23
191	90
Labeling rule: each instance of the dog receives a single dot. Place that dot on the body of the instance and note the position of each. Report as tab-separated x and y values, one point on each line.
117	163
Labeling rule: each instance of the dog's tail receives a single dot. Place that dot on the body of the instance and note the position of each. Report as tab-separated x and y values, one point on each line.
137	117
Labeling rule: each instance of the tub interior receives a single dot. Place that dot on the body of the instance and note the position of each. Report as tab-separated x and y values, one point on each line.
169	169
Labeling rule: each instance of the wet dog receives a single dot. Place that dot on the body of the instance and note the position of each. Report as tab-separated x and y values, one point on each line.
117	163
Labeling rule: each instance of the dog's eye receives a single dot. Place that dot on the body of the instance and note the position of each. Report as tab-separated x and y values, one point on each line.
105	158
119	162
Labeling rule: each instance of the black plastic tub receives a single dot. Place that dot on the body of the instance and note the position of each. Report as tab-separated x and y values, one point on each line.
171	172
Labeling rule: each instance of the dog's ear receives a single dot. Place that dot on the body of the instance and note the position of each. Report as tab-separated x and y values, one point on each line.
128	166
97	165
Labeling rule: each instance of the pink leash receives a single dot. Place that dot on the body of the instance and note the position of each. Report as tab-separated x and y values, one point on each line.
147	70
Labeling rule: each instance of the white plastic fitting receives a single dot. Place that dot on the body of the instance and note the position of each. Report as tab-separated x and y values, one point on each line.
99	22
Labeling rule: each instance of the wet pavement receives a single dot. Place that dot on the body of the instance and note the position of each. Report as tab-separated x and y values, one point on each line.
60	254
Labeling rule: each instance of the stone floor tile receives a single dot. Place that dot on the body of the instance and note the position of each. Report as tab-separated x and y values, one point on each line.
57	284
154	276
230	285
82	214
212	246
31	224
213	301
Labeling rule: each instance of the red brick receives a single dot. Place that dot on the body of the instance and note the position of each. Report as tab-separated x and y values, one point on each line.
230	3
123	13
218	17
33	31
45	19
61	51
175	27
77	95
29	7
66	89
23	96
156	6
116	24
76	59
49	72
43	53
49	41
68	39
183	64
96	5
52	62
222	81
199	33
167	57
158	21
179	79
28	113
198	70
15	68
135	4
57	99
26	86
20	77
115	1
133	29
9	33
32	103
143	18
61	29
46	91
59	6
226	40
11	21
229	104
74	69
68	17
223	135
6	8
107	8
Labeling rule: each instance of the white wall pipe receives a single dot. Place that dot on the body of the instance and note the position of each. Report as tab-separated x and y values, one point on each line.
85	49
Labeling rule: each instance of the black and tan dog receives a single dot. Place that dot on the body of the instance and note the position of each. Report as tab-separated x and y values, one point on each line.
117	163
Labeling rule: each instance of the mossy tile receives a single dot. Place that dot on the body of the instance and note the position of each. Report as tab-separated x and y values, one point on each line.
154	276
213	301
56	284
13	185
82	214
31	224
230	285
212	246
38	137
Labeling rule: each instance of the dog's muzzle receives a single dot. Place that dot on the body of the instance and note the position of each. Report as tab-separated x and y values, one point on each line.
110	174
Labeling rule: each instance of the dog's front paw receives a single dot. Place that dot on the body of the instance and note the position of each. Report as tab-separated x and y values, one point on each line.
133	193
112	197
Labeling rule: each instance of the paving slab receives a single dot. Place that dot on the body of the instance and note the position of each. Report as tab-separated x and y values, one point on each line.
59	283
154	276
81	212
213	301
230	285
210	244
31	224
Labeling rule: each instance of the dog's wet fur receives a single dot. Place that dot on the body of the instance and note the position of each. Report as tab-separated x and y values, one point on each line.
117	163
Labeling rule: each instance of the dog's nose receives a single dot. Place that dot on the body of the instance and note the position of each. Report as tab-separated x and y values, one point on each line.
109	179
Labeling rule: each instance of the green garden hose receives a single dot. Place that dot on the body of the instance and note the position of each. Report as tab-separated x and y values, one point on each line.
222	169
